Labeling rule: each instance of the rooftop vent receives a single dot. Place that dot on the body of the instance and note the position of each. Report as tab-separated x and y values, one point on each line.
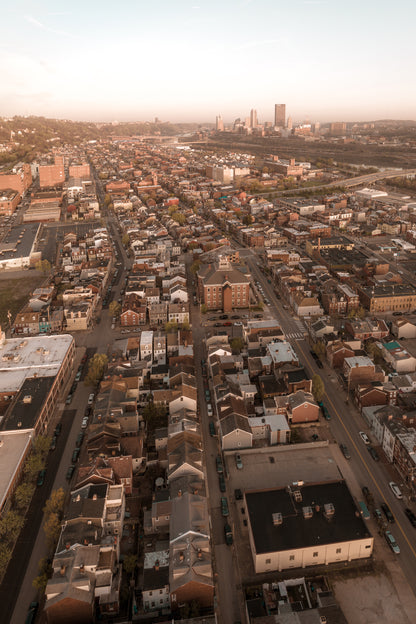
297	494
27	398
329	510
277	519
307	512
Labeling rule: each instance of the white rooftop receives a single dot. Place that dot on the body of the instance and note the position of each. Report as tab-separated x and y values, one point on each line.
23	357
12	447
281	352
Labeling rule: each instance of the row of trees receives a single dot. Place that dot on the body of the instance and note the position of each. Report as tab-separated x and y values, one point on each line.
13	520
53	511
97	366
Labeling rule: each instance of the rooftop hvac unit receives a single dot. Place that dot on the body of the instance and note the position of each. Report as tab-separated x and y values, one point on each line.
297	494
307	512
277	519
329	510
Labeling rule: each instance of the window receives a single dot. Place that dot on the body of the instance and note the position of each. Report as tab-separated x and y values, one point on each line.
161	591
338	550
268	561
315	554
150	593
292	558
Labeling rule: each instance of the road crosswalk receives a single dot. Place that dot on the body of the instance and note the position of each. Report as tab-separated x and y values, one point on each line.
295	335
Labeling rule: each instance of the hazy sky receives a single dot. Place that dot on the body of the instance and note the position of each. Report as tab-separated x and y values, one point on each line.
189	60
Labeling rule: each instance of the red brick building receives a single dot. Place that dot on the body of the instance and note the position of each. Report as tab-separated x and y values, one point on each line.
9	199
19	179
51	175
79	171
223	287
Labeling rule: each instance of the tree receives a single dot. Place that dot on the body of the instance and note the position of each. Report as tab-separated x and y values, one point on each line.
248	219
319	349
185	326
318	388
125	240
129	563
52	528
5	556
107	200
10	526
195	266
41	445
361	312
43	265
23	495
114	308
236	344
55	503
179	217
204	309
45	572
33	464
96	367
171	326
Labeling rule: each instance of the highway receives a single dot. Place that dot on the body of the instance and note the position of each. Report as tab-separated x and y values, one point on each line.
345	424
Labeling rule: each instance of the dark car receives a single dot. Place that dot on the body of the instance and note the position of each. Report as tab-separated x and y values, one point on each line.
53	443
221	482
228	535
387	512
75	455
235	316
258	316
58	429
31	613
41	477
218	325
412	518
344	450
373	453
319	364
70	472
211	428
212	318
223	317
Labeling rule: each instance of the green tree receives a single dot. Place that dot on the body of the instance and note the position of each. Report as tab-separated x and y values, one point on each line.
96	368
319	349
55	503
33	464
248	219
195	266
361	312
107	200
204	309
318	388
23	495
236	344
41	445
171	326
129	563
179	217
114	308
10	526
43	265
45	572
186	326
52	529
5	556
125	240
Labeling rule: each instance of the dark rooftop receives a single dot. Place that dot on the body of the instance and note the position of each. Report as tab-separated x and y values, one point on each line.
29	402
297	531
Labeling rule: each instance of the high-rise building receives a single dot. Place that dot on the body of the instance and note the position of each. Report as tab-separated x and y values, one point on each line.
280	115
219	124
289	123
253	118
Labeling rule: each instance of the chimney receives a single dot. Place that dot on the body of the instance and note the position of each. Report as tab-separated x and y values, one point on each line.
199	553
81	569
157	565
62	570
181	557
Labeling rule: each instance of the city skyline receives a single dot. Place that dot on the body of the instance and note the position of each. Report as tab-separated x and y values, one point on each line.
189	61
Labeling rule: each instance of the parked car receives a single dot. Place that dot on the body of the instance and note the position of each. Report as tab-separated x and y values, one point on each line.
364	437
396	490
68	399
238	461
58	429
345	451
75	455
84	422
31	613
91	399
377	515
223	317
221	482
228	534
70	472
212	428
238	494
80	439
373	453
53	443
224	506
392	542
41	477
387	512
220	467
412	518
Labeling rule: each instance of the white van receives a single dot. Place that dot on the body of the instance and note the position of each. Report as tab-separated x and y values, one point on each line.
395	489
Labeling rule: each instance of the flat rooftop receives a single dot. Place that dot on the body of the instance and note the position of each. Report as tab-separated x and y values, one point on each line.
25	410
296	531
19	242
24	357
13	447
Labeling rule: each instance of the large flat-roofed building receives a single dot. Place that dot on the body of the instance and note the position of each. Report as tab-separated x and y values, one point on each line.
388	297
14	448
34	369
305	525
18	248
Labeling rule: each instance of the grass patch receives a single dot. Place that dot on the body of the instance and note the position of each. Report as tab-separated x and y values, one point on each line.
14	293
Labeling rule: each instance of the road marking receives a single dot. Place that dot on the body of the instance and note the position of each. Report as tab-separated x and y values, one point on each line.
365	464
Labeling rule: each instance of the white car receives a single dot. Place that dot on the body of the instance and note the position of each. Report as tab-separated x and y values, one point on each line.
396	490
91	399
84	422
364	437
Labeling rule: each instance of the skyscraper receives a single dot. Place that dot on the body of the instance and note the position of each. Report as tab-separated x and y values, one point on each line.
280	115
253	118
219	124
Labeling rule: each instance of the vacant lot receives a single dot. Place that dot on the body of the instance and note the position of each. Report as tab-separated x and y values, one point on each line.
14	293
